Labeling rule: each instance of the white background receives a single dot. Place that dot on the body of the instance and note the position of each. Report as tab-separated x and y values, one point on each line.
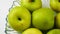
4	8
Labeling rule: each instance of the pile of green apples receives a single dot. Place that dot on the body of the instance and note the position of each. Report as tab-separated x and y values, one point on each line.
31	18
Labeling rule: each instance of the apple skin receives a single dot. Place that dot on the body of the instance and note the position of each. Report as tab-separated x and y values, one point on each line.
19	18
55	5
32	31
43	18
31	4
58	20
54	31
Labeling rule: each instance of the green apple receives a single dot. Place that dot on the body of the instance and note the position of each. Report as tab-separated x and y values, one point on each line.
54	31
43	18
58	20
19	18
31	4
55	5
32	31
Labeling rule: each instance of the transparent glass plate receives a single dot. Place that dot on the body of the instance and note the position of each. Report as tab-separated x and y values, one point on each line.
8	29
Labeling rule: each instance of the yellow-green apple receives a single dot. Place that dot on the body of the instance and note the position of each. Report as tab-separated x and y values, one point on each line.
31	4
19	18
43	18
55	5
54	31
58	20
32	31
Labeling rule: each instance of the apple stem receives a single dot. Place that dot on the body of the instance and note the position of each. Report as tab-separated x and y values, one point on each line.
59	0
19	19
31	1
